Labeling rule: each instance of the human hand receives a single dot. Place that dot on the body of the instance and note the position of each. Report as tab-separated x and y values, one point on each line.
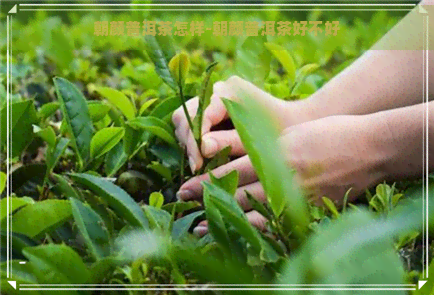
214	141
329	155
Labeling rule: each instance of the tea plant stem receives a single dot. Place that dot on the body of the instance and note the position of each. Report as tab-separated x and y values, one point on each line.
184	106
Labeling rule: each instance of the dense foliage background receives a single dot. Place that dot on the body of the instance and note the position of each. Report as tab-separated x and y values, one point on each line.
95	165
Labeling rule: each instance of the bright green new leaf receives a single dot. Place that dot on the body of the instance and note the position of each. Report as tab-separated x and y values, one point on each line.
41	217
97	110
253	59
46	134
76	113
22	116
117	198
284	57
91	227
166	107
156	199
146	105
179	66
48	110
56	153
3	178
158	218
155	126
331	206
104	140
119	100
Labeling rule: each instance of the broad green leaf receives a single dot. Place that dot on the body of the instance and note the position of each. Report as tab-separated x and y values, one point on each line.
57	264
160	50
260	137
46	134
56	153
41	217
18	242
284	58
102	269
156	200
22	115
146	105
115	159
97	110
66	188
26	180
182	225
91	227
134	139
3	178
117	198
14	204
119	100
76	113
166	107
179	66
155	126
48	109
21	273
104	140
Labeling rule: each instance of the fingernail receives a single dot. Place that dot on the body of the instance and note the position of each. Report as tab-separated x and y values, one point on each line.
210	146
183	195
200	230
192	164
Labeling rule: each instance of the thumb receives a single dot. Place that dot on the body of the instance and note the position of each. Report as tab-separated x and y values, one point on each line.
215	141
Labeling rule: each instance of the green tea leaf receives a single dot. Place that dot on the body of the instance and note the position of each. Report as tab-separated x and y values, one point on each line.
180	207
116	197
3	179
41	217
119	100
156	200
56	153
155	126
160	50
182	225
259	137
253	59
179	66
97	110
76	113
146	105
14	204
331	206
57	264
22	116
46	134
161	169
166	107
91	227
284	58
48	109
104	140
158	218
115	159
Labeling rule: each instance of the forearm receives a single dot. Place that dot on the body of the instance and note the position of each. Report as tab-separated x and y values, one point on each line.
379	79
398	136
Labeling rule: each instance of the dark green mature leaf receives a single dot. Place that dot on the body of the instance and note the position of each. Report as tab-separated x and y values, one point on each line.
18	242
155	126
26	180
56	153
21	273
160	50
104	140
260	137
119	100
41	217
131	140
116	197
182	225
76	113
22	116
158	218
115	158
57	264
91	227
166	107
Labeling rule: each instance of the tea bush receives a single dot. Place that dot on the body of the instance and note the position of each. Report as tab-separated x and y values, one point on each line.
95	164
